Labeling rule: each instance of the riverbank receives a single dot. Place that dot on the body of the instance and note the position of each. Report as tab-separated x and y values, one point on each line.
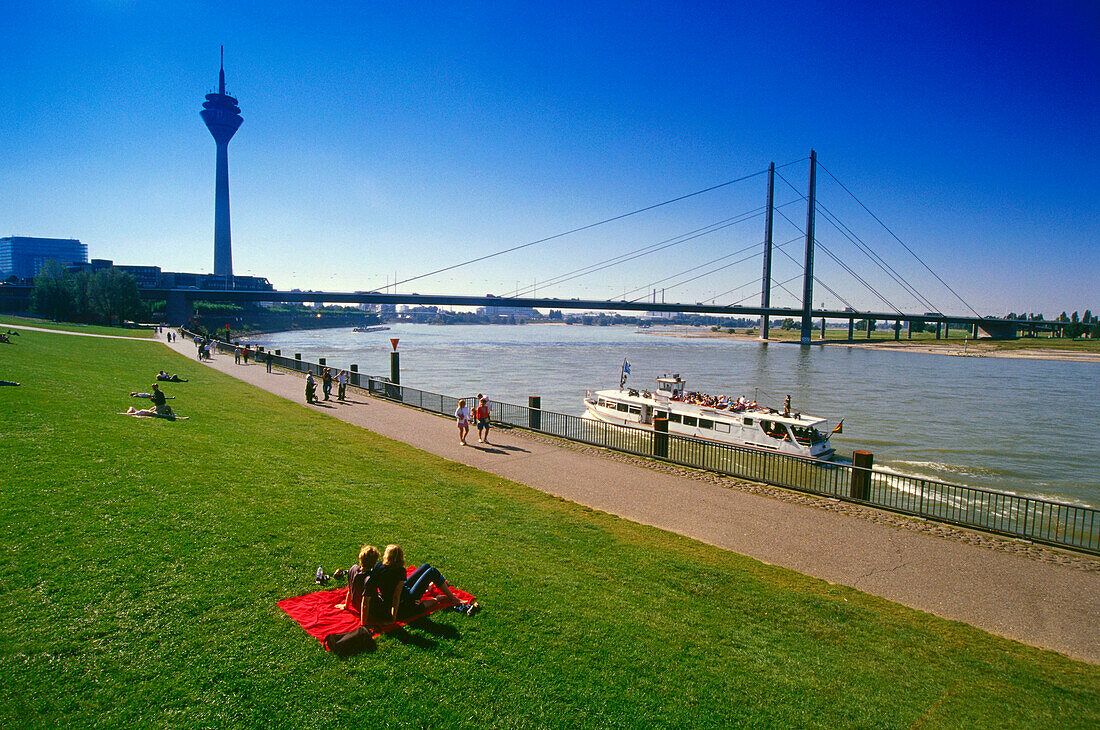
900	559
1023	349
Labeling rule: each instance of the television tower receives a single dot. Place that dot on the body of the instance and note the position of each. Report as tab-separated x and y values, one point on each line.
222	117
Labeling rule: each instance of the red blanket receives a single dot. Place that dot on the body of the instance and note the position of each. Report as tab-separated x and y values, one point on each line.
318	615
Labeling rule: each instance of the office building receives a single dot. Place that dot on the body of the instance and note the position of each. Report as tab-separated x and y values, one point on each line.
23	256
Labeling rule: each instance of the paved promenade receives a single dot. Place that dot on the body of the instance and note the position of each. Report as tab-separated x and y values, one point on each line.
1042	597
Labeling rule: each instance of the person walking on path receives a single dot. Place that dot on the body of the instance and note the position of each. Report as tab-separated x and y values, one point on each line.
311	389
462	416
342	383
268	357
482	416
237	355
326	382
244	354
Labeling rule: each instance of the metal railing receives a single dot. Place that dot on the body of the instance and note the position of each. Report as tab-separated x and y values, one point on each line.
1040	520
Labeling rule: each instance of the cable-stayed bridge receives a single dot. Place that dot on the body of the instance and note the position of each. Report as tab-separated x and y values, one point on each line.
874	281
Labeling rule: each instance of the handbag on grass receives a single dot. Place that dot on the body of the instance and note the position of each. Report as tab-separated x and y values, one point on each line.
349	643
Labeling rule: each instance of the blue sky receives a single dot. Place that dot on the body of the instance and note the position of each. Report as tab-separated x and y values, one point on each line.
388	140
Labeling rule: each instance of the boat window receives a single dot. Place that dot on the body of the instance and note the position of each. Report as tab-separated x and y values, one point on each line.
721	427
601	402
621	407
660	414
748	421
706	423
636	410
807	435
775	429
674	417
690	420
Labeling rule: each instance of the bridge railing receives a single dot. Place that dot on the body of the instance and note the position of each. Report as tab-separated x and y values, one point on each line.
1055	523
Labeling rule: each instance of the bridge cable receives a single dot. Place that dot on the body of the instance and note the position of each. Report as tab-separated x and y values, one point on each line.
843	265
579	228
819	281
730	291
643	251
918	258
694	268
801	266
847	232
849	269
779	284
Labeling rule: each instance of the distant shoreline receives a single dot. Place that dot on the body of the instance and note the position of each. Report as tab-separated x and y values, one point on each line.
957	348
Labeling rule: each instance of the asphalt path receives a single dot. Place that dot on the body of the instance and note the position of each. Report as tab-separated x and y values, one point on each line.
1038	602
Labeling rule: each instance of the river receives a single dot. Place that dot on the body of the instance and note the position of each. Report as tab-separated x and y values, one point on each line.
1028	427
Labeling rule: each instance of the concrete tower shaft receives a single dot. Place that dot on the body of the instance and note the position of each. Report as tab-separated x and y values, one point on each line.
222	117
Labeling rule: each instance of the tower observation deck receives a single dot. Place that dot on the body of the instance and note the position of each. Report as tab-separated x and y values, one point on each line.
222	117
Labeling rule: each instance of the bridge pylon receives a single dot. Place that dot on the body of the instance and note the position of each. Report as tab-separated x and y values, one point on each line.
808	273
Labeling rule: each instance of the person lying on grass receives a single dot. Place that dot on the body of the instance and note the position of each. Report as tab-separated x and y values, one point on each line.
167	412
170	378
401	598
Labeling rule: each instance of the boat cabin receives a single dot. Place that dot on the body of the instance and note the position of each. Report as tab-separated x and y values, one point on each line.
670	386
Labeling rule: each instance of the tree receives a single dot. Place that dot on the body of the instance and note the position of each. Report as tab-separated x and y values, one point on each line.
54	295
788	324
113	296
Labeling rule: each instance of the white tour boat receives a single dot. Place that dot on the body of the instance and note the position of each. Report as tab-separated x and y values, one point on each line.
727	421
370	329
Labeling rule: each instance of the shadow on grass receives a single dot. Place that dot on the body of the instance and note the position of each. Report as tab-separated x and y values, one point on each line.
422	642
442	631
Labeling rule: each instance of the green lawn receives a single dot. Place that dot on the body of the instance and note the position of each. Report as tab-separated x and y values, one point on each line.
93	329
141	559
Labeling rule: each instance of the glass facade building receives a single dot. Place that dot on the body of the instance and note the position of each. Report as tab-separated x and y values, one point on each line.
23	256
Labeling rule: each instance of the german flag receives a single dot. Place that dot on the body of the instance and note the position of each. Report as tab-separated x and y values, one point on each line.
839	427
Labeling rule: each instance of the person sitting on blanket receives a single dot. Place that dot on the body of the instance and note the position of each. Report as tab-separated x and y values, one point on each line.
357	576
401	598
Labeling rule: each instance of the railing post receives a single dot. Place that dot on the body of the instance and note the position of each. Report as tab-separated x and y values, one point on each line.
321	361
395	367
354	379
862	461
660	437
534	412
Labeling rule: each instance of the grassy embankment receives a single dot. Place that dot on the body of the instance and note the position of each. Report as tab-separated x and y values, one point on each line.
91	329
141	561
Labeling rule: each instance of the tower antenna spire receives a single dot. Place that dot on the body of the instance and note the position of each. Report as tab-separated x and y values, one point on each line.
221	72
